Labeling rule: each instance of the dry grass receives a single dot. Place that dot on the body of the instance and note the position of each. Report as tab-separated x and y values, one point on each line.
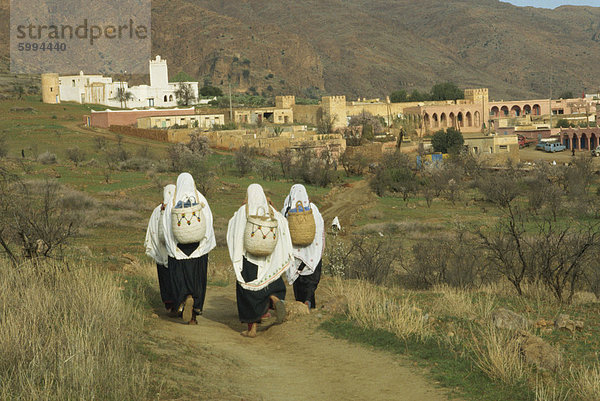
67	335
462	304
497	354
585	382
550	392
373	307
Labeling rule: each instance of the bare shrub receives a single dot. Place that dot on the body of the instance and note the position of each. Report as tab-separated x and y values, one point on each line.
335	257
373	258
76	200
117	154
578	177
47	158
199	144
76	155
68	334
99	143
562	255
39	224
354	163
266	169
395	174
500	188
136	164
144	152
454	260
244	159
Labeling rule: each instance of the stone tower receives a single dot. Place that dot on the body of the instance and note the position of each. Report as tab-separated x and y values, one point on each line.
285	102
50	88
480	96
159	75
335	106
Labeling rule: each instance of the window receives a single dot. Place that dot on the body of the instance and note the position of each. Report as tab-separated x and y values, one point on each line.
503	148
73	83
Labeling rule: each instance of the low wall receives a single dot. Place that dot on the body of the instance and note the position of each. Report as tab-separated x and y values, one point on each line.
171	136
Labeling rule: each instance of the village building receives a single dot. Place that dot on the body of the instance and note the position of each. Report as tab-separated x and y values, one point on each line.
203	121
106	118
98	89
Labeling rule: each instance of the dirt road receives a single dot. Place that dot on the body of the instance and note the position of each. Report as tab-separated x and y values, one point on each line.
346	202
291	361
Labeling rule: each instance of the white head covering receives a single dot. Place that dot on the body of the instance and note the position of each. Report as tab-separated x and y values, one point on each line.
311	254
271	267
186	190
155	246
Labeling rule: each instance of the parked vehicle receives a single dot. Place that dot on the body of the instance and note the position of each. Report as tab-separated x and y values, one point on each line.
540	146
525	142
554	147
596	152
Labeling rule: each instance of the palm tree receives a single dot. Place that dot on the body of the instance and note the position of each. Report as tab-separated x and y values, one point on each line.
123	96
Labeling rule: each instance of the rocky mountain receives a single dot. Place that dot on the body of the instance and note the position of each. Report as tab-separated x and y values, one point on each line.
372	47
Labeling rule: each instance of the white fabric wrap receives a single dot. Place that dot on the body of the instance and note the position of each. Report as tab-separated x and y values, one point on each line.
155	248
186	188
311	254
271	267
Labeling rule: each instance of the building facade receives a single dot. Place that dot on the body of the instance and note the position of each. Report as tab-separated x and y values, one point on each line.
97	89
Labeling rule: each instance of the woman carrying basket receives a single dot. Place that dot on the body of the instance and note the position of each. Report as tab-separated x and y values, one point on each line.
260	248
189	236
307	230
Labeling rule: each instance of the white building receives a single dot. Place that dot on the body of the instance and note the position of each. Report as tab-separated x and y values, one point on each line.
102	90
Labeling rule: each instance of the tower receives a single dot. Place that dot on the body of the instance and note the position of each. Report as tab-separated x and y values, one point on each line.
335	106
285	102
159	75
50	88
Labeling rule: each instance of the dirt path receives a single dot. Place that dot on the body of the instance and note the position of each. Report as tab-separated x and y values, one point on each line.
292	361
346	202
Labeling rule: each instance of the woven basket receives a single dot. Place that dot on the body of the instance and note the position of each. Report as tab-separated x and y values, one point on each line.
302	225
260	234
188	223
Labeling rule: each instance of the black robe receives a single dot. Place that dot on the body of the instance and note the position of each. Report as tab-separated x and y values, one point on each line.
189	276
305	286
252	305
166	286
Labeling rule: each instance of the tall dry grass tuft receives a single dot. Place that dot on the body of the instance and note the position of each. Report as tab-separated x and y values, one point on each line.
550	392
68	335
585	382
463	303
373	307
497	354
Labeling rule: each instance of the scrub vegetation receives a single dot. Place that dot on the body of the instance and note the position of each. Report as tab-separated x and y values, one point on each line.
423	268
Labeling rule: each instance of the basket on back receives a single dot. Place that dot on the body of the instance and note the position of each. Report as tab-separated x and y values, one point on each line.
260	234
302	225
188	223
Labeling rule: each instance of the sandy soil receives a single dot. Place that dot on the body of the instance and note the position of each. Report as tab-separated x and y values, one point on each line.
291	361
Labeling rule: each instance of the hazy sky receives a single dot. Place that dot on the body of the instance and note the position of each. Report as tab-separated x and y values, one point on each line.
553	3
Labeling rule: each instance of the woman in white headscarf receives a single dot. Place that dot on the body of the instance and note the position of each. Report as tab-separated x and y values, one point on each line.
305	271
188	262
157	250
259	283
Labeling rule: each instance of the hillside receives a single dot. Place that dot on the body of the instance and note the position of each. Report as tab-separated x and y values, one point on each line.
369	48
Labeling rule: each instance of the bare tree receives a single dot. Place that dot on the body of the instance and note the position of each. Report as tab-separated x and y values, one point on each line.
185	94
39	223
326	124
